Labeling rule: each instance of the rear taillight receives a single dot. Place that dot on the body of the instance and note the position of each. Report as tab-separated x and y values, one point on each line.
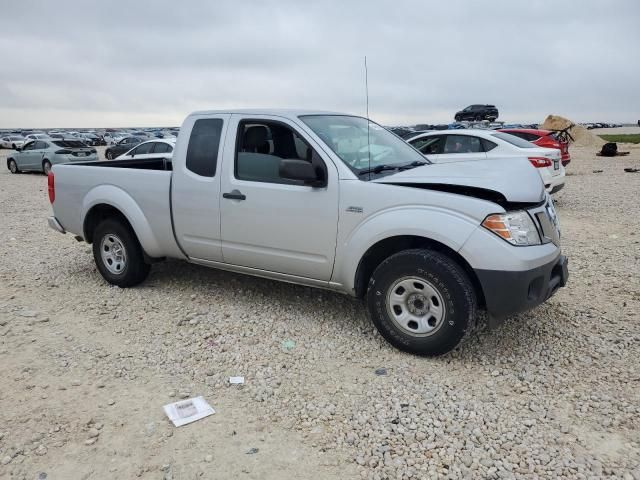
52	187
63	152
540	162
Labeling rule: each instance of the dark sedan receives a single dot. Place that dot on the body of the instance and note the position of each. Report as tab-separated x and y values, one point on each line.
121	147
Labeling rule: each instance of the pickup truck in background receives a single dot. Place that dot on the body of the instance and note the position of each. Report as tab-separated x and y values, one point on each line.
326	200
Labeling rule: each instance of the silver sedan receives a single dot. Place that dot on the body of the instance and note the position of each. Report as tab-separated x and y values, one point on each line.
40	155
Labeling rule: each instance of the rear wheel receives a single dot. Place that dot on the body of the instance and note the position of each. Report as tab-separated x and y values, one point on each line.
46	167
109	155
13	166
422	302
118	254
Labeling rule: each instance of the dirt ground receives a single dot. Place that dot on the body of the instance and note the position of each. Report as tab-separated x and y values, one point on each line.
85	368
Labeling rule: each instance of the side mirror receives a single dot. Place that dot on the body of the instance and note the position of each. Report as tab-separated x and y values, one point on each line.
294	169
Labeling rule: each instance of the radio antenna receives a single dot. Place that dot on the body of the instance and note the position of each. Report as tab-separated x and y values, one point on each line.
366	89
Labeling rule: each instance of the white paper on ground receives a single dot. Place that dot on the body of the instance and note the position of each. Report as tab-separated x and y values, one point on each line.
187	411
236	380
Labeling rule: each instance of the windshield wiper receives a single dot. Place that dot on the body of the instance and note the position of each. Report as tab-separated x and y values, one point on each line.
381	168
378	169
414	164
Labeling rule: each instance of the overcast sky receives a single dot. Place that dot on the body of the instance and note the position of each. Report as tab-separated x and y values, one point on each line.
135	63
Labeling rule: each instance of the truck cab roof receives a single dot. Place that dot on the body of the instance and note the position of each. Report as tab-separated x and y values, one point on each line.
282	112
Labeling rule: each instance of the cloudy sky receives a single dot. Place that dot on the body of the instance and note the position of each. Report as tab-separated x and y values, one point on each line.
137	63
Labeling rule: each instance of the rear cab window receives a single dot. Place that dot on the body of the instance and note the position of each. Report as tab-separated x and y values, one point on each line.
204	142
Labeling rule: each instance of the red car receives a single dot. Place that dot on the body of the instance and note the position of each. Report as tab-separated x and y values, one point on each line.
542	138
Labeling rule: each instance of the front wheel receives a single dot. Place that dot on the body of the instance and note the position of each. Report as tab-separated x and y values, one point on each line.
421	301
109	156
13	166
118	254
46	167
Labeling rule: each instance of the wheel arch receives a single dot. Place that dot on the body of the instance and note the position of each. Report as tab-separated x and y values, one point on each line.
108	200
97	214
384	248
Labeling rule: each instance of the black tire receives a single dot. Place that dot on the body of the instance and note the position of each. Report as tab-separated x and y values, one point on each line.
109	155
135	269
46	166
13	166
449	280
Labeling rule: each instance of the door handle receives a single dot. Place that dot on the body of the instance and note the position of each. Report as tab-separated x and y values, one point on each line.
234	195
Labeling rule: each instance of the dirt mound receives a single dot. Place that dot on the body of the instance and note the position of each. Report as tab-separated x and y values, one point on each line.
581	136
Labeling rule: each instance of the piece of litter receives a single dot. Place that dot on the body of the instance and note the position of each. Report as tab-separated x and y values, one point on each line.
187	411
251	451
598	171
381	371
632	170
288	345
236	380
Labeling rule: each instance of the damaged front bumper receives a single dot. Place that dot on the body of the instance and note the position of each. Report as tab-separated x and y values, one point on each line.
507	292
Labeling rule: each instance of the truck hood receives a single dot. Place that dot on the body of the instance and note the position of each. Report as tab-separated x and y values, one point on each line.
513	180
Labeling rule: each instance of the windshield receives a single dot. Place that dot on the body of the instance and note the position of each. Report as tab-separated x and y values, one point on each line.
513	140
348	137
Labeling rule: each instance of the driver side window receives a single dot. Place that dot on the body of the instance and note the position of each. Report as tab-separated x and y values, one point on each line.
260	147
428	145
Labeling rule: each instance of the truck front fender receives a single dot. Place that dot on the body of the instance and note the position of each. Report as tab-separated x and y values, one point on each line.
440	225
119	199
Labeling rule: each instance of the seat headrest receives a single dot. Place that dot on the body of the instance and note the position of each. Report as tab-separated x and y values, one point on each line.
255	137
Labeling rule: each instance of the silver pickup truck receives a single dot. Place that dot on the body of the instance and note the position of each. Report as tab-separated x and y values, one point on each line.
326	200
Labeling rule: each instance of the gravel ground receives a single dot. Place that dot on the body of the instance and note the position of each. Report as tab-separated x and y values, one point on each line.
85	368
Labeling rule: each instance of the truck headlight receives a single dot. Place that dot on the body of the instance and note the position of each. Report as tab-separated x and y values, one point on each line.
516	227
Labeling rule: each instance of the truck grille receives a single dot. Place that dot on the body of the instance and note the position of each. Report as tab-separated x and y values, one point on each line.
548	223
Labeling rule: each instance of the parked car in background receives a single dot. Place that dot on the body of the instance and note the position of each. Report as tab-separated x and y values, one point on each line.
121	147
90	139
542	138
40	155
477	113
11	141
141	135
152	149
37	136
489	145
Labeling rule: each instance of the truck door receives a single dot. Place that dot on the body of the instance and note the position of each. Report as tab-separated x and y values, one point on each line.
269	222
195	186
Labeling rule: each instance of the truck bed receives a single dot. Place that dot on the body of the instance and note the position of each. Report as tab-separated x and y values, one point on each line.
141	188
